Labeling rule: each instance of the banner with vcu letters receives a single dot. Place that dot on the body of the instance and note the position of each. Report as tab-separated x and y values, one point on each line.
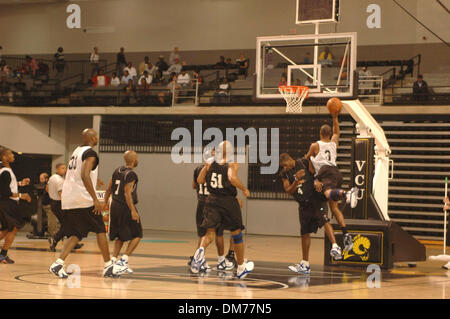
362	174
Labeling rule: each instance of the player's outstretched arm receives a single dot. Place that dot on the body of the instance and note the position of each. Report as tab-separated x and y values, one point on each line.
234	179
201	179
128	189
86	169
107	195
336	129
313	150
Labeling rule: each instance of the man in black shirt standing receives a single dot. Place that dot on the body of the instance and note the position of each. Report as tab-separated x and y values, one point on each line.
298	181
222	207
224	262
11	219
125	223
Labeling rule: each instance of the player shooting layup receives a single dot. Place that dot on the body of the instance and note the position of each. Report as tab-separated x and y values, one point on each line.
322	155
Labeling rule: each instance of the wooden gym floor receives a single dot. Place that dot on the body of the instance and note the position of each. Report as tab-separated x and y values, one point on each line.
160	265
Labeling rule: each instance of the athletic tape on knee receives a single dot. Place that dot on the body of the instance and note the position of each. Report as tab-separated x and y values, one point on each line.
334	194
237	239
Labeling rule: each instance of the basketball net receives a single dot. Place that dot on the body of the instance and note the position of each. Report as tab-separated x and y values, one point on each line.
294	97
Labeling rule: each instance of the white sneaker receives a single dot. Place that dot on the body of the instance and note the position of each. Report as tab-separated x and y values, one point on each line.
351	197
249	266
117	268
205	267
447	266
336	252
58	270
225	265
301	268
127	270
198	261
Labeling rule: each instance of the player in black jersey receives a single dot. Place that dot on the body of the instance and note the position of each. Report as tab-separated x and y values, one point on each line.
125	223
222	207
224	262
298	181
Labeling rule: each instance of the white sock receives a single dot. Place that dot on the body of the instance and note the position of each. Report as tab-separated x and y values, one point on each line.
335	245
60	261
305	262
221	258
113	259
125	257
108	263
240	268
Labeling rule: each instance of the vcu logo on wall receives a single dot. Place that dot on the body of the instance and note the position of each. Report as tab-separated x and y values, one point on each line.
360	250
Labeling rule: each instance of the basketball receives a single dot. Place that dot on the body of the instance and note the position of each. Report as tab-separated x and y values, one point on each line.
334	105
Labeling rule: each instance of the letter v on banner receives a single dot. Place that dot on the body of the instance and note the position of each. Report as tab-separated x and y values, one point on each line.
362	174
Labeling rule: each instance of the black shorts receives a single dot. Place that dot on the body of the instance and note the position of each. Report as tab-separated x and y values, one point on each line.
82	221
121	225
330	176
199	219
313	215
11	215
222	211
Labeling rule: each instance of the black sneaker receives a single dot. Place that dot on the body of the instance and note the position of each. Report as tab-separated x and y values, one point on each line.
190	261
52	243
6	260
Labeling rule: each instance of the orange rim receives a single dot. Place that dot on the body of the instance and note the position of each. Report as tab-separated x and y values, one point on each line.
298	88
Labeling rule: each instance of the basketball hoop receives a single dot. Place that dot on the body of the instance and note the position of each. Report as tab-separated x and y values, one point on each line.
294	97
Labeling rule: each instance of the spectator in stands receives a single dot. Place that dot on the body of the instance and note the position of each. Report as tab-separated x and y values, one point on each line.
121	62
326	57
364	72
115	80
308	82
222	93
43	69
151	69
268	62
5	90
172	88
283	80
196	77
4	68
59	63
101	80
161	66
143	86
95	60
131	70
364	86
228	63
126	77
420	89
184	79
129	91
174	55
243	65
307	59
221	63
32	66
144	65
146	77
175	67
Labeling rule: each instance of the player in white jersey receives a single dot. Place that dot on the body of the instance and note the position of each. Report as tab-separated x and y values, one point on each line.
81	207
322	156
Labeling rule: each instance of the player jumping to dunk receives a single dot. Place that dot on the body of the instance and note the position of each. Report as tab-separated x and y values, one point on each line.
322	155
222	207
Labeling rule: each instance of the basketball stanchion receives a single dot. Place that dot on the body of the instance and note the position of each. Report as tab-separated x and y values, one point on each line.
444	256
